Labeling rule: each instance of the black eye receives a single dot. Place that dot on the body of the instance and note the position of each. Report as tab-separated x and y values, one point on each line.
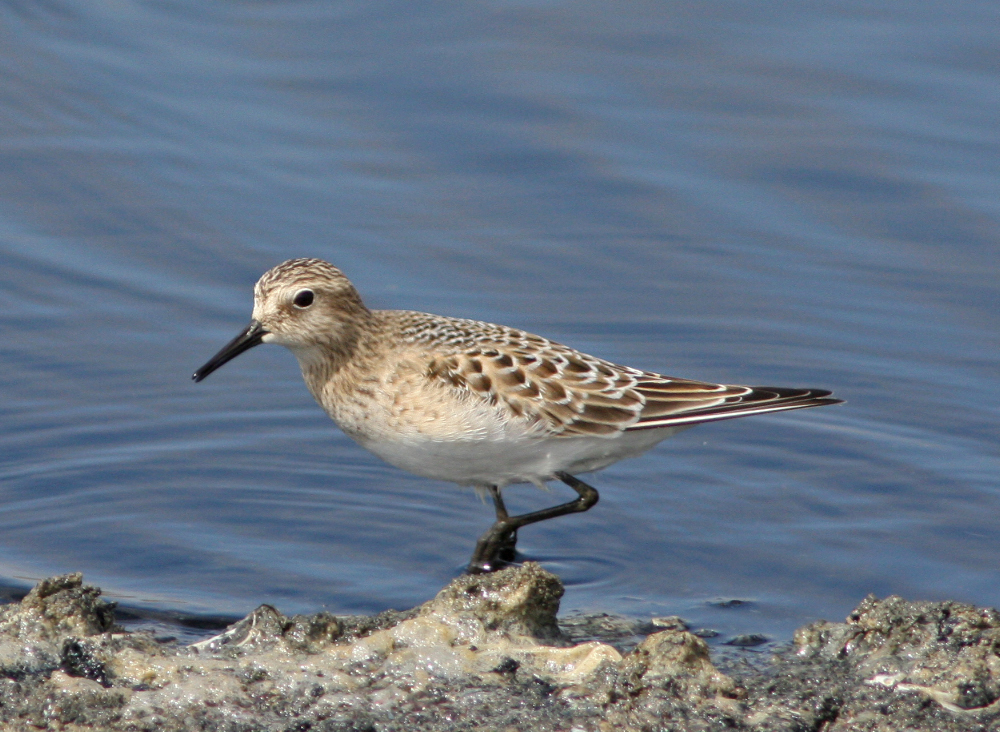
303	298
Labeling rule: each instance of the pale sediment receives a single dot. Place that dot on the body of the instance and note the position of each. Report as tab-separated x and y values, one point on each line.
488	653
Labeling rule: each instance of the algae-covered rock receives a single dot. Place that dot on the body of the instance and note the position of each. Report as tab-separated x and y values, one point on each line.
56	608
265	628
487	652
894	664
518	601
486	648
47	677
33	632
668	680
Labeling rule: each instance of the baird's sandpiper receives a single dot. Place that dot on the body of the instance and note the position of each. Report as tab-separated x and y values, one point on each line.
475	403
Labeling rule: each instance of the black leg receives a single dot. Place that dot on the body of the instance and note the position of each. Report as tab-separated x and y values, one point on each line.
496	547
504	550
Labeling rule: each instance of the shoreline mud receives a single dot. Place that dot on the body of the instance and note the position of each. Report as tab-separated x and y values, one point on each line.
489	651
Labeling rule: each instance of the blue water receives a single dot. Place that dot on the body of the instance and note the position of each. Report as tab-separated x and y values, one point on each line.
728	191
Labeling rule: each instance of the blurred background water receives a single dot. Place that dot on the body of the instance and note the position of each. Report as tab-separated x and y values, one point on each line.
776	193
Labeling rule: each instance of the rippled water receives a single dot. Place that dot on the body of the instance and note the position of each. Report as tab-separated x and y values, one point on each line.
726	191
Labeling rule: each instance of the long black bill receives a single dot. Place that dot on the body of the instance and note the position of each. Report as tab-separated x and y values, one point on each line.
243	342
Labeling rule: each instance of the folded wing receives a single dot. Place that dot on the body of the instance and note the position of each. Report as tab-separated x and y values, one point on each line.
563	392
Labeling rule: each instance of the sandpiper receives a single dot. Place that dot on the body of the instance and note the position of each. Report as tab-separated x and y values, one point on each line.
475	403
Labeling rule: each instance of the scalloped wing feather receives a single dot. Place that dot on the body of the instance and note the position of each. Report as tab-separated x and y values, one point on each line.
562	392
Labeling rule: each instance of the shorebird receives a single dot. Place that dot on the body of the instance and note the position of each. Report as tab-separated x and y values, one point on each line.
475	403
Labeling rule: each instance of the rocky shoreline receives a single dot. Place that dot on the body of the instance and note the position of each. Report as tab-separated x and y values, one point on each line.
489	652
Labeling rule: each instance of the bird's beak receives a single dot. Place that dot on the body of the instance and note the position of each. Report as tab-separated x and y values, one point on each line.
243	342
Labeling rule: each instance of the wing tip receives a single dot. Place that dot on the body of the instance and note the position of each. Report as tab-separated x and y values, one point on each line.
762	400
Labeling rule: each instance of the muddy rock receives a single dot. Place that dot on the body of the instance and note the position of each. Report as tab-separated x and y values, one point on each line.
489	652
668	681
947	651
265	629
894	664
56	608
33	632
934	666
526	608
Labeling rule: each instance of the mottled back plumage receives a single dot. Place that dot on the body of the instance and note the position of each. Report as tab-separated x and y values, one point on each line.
571	393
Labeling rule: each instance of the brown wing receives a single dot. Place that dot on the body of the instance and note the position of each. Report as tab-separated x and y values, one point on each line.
568	393
558	390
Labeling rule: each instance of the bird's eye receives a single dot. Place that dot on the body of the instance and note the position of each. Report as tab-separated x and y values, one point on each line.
303	298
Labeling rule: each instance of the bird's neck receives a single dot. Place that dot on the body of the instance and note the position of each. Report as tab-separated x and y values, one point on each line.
322	362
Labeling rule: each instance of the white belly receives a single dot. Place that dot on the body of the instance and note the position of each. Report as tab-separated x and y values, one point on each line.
502	461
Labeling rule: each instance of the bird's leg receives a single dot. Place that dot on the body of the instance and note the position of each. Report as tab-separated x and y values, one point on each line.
496	547
507	548
498	504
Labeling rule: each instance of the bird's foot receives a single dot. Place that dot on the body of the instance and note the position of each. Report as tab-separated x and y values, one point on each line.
496	549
